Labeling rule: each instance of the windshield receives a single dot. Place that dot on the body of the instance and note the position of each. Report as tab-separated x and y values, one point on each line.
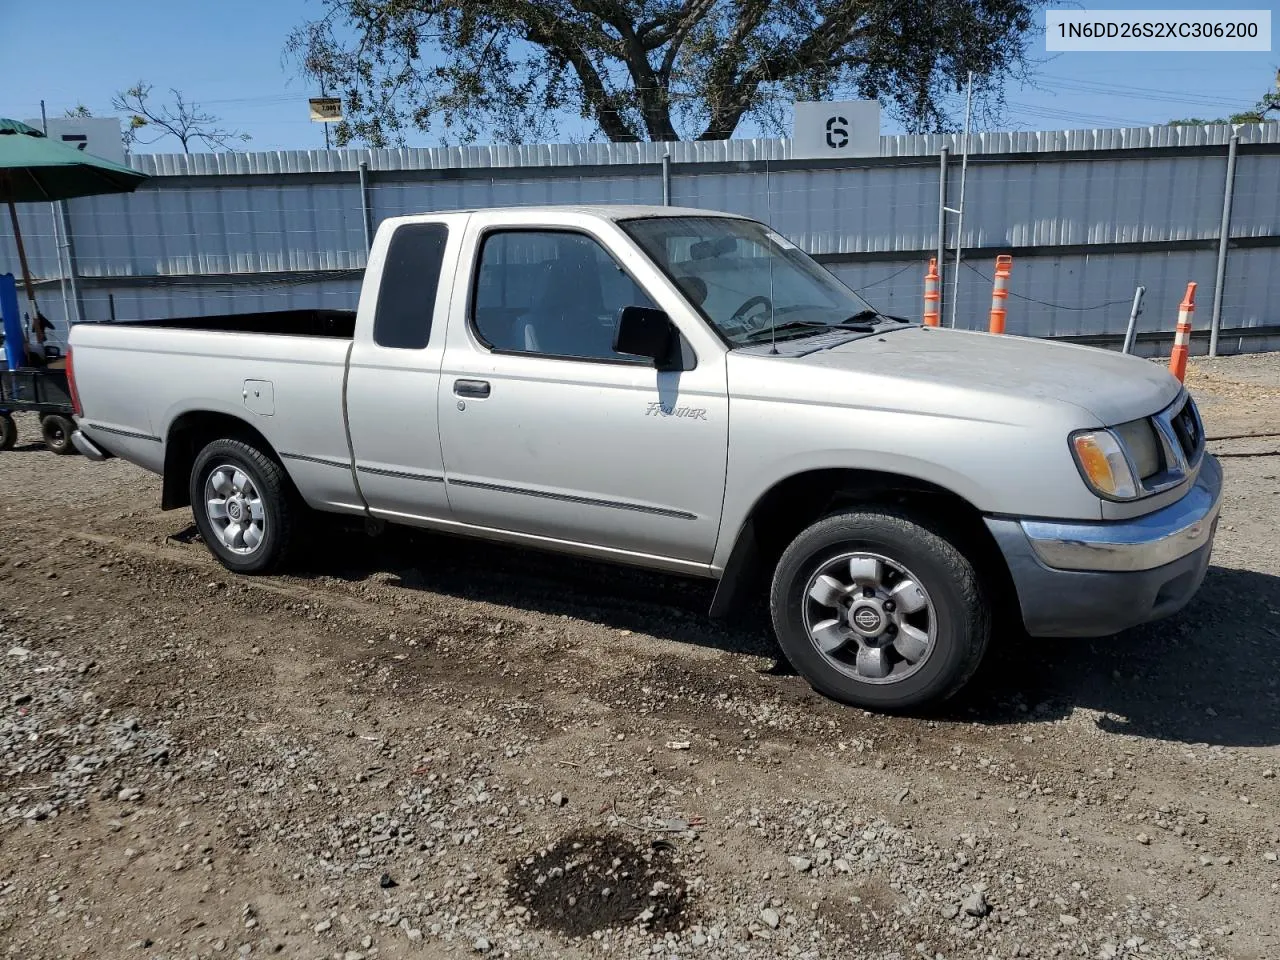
748	281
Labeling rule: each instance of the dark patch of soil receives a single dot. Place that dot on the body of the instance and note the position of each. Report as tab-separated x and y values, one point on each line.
589	882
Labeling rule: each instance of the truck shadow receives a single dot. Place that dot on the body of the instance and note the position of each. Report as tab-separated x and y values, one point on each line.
1210	675
666	606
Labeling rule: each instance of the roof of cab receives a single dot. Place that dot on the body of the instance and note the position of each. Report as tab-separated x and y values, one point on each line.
607	211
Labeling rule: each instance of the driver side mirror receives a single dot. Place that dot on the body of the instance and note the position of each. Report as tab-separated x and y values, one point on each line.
646	332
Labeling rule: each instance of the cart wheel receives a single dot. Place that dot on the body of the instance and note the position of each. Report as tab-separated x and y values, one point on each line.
57	430
8	432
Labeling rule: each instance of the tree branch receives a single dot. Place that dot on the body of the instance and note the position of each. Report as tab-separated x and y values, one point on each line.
720	78
816	50
185	121
658	31
544	29
693	13
655	107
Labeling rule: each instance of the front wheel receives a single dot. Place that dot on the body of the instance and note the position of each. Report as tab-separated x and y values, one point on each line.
243	505
876	609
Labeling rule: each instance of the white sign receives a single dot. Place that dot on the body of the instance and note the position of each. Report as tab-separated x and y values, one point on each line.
326	109
1147	30
850	128
99	136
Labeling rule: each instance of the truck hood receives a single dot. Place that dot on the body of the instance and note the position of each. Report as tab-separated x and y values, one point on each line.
1111	387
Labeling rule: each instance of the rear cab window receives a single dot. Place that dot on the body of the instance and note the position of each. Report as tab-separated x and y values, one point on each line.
410	280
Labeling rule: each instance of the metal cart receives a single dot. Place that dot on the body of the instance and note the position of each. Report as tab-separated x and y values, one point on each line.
41	390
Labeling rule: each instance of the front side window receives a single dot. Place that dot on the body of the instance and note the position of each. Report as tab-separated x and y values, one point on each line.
554	293
748	281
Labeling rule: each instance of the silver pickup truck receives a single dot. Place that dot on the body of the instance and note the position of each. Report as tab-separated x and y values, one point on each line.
686	391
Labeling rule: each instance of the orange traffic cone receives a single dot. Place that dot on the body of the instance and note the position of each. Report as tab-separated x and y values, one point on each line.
931	295
1182	339
1000	292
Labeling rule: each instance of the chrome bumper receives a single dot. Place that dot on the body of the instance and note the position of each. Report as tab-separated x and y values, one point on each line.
1096	579
1143	543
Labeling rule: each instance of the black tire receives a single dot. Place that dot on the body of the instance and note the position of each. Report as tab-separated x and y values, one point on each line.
960	614
280	507
8	432
57	430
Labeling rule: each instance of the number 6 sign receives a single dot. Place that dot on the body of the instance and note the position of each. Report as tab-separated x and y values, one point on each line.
845	129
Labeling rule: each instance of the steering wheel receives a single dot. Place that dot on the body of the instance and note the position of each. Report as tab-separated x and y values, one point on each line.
740	315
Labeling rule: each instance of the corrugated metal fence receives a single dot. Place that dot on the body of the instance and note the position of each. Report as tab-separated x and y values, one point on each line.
1088	215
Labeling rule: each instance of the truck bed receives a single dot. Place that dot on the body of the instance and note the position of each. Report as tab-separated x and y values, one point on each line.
280	373
340	324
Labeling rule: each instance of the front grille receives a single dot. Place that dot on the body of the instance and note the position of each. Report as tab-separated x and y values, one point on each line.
1186	427
1181	436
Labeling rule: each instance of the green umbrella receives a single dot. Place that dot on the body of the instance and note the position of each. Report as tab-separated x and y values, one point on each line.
34	168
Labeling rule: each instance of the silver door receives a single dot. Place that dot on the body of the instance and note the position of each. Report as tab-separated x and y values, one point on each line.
598	449
394	375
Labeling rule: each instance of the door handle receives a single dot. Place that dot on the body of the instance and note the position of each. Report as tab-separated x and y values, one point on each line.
471	388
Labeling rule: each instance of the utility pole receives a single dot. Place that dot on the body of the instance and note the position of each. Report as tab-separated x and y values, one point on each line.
964	169
55	212
324	93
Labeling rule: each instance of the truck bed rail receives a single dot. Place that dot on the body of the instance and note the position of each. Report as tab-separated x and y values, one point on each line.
339	324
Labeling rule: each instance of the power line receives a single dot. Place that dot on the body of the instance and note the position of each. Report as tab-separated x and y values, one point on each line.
1052	113
876	283
1046	303
1145	93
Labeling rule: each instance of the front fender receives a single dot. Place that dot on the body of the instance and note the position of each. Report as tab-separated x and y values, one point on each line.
1001	468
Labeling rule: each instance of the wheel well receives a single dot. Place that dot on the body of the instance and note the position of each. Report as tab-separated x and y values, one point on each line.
799	501
188	435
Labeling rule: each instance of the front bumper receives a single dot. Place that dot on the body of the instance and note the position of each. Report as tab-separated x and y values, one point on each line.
1093	579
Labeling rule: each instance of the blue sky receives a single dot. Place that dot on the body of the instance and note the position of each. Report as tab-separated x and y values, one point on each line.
228	57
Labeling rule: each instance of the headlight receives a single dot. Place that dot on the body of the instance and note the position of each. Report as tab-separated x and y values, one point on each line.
1103	464
1139	438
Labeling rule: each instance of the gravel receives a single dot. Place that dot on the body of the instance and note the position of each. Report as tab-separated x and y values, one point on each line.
385	754
975	905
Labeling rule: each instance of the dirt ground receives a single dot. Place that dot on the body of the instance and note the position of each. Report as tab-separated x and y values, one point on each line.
416	746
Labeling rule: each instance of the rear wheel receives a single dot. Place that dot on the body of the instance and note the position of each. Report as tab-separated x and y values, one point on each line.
244	506
8	432
57	430
875	608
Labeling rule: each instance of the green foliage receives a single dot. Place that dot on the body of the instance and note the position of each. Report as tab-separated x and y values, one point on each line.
513	70
1269	104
